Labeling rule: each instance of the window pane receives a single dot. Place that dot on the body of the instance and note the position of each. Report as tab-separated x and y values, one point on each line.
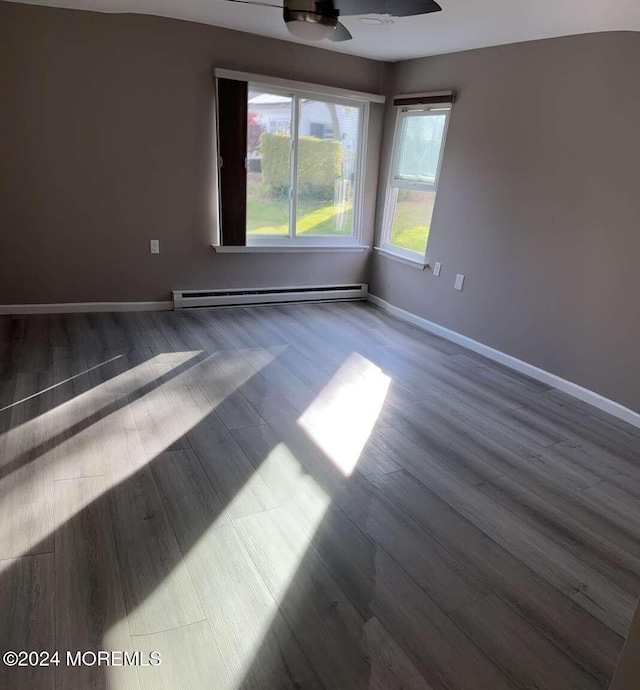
411	219
268	163
420	144
328	135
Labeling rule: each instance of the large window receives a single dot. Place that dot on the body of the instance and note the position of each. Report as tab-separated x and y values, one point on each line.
413	181
303	166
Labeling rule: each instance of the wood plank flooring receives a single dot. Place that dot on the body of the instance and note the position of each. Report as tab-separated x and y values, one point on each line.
309	496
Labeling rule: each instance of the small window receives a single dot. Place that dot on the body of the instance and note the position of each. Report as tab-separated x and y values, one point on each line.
317	130
413	182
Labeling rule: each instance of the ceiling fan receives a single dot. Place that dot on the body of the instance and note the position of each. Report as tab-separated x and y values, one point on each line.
315	20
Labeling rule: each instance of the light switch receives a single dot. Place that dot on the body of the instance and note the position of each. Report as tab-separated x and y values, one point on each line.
437	267
155	246
459	282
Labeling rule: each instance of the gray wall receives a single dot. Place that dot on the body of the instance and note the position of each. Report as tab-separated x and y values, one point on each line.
105	141
538	206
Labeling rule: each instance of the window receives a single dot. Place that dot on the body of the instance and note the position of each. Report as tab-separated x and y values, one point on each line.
417	156
318	130
280	125
303	166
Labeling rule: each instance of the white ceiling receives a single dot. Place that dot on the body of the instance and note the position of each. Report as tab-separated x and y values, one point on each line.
463	24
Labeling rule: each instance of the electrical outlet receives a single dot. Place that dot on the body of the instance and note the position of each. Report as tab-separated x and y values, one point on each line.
155	246
436	269
459	282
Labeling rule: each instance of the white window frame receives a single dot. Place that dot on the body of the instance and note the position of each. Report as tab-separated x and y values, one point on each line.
394	185
292	239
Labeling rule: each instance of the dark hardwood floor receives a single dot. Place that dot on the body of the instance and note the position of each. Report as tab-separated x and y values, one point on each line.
311	496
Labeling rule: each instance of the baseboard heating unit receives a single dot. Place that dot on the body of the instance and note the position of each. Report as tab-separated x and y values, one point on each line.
194	299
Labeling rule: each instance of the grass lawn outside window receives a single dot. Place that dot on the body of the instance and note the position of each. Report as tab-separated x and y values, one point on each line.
267	215
412	220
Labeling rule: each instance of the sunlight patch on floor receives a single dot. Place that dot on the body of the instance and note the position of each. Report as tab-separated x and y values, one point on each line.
224	565
59	383
90	435
342	417
142	411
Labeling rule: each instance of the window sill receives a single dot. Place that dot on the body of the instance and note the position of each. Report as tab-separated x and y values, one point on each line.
420	264
289	248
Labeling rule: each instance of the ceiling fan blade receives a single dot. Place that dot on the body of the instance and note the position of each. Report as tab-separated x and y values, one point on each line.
255	2
395	8
340	33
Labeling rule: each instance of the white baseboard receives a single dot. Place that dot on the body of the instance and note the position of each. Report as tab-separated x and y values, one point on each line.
74	307
573	389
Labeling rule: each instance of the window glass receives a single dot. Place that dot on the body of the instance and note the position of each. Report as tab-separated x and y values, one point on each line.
303	163
421	140
417	153
327	162
412	219
268	163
